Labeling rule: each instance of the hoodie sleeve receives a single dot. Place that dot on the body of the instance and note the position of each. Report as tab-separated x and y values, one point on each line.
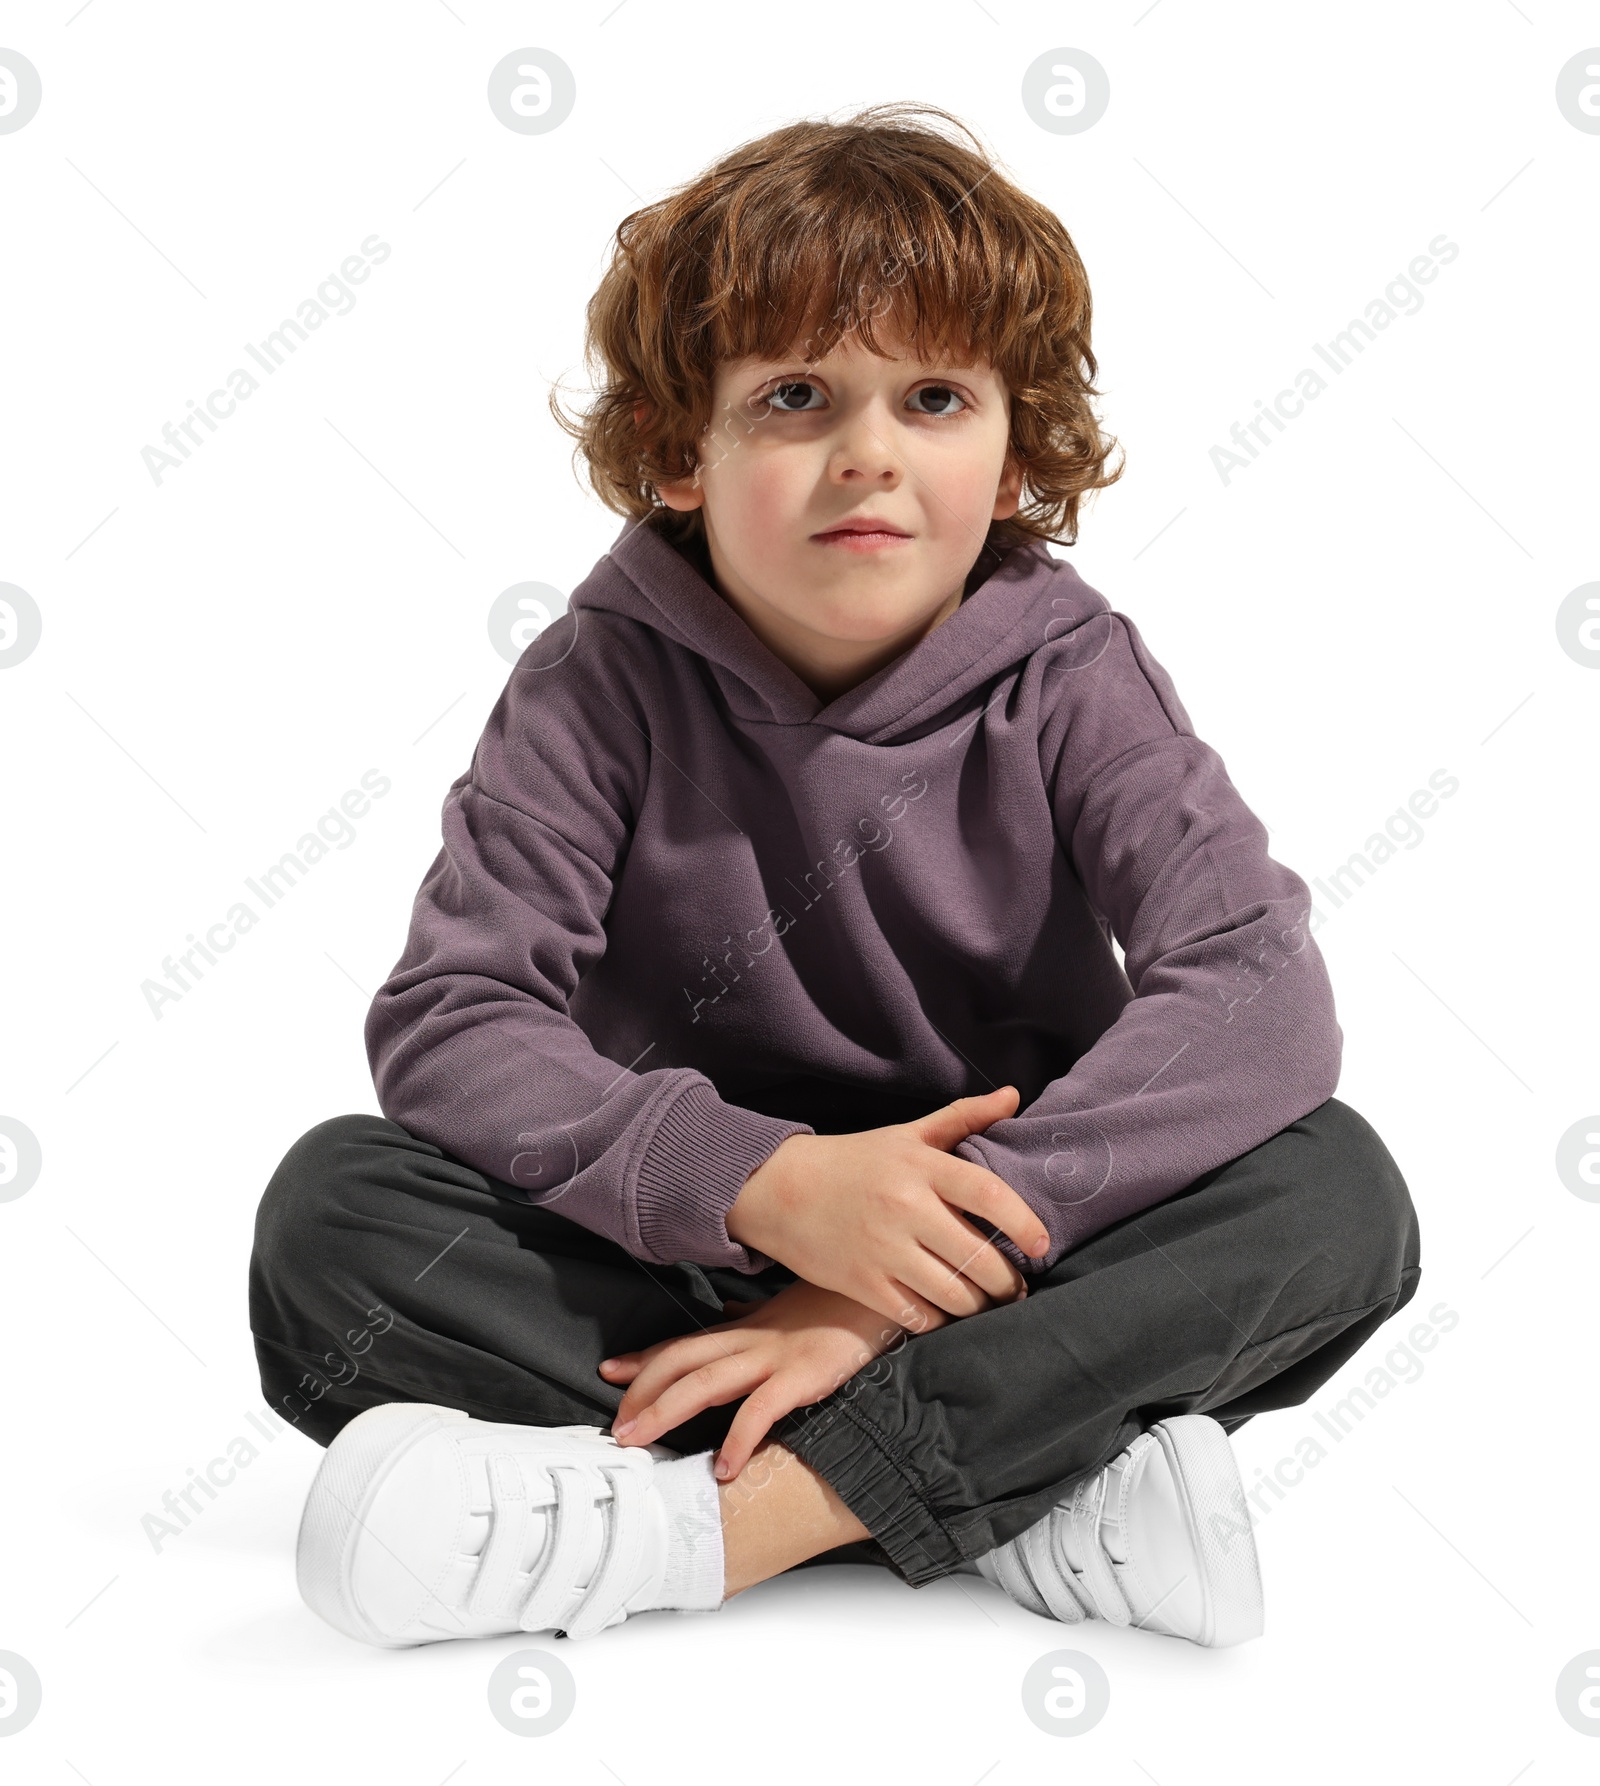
470	1040
1231	1033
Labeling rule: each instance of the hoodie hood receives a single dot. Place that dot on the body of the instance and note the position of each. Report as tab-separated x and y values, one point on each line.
1029	599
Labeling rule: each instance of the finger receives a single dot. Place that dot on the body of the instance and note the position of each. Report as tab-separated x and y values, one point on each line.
707	1387
677	1359
751	1425
917	1314
623	1369
979	1191
974	1255
897	1307
662	1367
885	1295
966	1116
932	1278
643	1355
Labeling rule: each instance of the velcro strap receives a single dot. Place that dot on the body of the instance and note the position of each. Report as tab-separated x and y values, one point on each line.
508	1532
1015	1579
576	1487
1097	1575
1050	1577
617	1575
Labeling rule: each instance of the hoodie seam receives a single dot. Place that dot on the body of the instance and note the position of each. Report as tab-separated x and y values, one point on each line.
1177	731
1136	651
1142	744
1053	775
545	825
635	684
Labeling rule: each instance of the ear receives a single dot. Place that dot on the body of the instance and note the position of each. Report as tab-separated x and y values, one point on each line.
1008	494
682	495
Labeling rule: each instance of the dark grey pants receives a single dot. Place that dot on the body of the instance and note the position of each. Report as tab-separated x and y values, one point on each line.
384	1271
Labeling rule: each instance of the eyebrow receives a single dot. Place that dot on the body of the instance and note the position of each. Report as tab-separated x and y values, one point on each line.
758	368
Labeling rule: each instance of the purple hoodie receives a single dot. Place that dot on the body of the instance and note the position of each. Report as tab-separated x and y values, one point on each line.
684	909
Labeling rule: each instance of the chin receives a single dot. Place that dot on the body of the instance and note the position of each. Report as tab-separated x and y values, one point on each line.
855	628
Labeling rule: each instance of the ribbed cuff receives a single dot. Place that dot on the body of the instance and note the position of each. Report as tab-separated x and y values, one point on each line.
1003	1243
693	1170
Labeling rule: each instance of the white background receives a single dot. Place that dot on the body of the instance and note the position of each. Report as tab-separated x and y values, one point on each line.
225	653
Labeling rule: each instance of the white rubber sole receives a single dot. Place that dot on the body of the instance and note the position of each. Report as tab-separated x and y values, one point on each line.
347	1481
1207	1476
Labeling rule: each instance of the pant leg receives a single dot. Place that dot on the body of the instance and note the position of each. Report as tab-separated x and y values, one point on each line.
384	1270
1242	1293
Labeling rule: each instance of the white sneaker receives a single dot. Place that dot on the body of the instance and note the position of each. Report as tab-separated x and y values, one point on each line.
1141	1543
424	1524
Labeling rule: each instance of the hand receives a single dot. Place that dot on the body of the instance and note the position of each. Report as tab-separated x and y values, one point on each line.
873	1215
781	1354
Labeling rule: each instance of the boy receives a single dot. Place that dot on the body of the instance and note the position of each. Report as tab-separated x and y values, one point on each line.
758	1073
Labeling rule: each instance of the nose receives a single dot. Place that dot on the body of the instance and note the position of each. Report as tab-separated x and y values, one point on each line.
863	451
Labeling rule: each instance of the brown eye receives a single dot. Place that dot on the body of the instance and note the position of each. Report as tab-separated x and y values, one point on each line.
943	398
790	388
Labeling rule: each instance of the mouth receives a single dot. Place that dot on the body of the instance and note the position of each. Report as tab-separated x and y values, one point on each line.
868	537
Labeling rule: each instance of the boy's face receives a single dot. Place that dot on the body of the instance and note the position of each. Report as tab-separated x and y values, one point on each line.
794	450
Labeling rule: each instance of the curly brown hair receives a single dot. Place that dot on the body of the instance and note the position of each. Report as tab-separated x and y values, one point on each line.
817	231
